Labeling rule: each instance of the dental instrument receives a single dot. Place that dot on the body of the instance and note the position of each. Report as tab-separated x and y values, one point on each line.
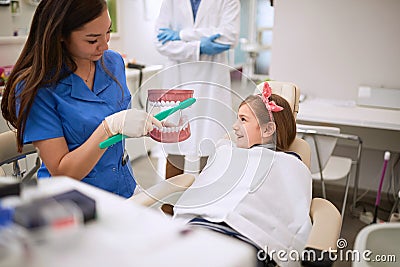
378	194
160	116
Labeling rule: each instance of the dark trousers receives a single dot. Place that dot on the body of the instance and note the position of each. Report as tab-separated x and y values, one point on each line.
175	166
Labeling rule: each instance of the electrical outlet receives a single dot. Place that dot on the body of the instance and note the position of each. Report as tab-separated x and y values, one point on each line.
366	217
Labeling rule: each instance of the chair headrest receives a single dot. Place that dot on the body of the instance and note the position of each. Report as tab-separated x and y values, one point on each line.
287	90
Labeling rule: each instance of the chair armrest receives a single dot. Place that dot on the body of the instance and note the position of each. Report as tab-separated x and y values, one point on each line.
301	147
350	137
9	152
163	189
327	224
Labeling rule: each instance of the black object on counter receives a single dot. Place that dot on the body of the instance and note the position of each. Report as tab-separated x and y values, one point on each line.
31	216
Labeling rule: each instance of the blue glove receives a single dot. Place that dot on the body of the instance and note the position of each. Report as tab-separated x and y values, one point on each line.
167	34
209	47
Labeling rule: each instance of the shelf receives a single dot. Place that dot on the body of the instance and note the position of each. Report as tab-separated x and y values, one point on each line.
4	40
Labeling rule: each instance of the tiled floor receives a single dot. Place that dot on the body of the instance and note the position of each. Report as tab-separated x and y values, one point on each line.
146	172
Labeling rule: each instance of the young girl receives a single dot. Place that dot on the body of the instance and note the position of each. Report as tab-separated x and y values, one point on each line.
252	192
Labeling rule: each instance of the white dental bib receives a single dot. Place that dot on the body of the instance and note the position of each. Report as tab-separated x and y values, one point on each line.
262	194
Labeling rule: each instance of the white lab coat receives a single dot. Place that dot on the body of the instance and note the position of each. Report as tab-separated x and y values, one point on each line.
211	116
263	194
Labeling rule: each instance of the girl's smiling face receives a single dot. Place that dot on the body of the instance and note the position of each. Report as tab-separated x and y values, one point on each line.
247	128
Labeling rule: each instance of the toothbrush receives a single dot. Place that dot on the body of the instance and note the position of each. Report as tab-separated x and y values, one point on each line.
160	116
378	194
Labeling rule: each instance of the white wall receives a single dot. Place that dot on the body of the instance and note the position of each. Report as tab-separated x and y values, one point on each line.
134	37
136	30
18	22
331	47
10	49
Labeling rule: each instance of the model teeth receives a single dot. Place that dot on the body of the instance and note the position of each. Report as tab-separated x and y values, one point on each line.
163	104
171	129
175	127
159	106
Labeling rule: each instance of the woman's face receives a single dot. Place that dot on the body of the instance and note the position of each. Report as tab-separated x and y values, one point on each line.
89	42
247	128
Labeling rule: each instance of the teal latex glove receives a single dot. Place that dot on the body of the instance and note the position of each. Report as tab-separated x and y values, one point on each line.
167	34
209	47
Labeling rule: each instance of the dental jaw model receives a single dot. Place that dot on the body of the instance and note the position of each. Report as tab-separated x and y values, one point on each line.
176	127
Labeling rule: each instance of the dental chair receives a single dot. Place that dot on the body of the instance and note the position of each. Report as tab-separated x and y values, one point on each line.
161	192
324	235
326	219
9	155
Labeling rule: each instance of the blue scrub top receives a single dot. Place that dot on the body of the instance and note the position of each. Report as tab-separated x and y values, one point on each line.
71	110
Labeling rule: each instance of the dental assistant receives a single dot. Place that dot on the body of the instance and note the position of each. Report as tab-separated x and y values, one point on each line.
67	93
199	32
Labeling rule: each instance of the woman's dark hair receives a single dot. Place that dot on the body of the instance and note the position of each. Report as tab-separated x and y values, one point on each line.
284	119
42	60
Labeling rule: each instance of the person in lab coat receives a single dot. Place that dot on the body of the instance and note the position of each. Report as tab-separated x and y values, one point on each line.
250	191
67	93
194	34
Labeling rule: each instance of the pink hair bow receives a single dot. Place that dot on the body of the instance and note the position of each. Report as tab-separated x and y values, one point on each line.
271	105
